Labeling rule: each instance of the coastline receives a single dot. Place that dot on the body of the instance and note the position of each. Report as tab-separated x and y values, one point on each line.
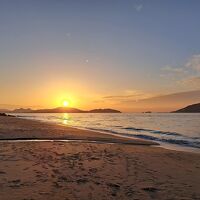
14	128
155	127
110	169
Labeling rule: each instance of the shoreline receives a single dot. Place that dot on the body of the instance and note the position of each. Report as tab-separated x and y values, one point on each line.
20	128
105	134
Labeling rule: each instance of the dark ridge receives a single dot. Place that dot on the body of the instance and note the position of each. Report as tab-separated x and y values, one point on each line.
64	110
194	108
107	110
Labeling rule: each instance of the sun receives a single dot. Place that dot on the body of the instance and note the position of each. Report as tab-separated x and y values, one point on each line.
65	103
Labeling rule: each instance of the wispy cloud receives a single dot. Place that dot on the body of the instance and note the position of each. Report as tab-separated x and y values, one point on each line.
193	81
169	71
194	63
133	95
138	7
187	75
117	96
178	70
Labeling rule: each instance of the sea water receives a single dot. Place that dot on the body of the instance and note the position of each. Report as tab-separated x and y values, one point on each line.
172	130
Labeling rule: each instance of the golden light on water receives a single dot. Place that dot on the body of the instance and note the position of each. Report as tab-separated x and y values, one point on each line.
65	121
65	118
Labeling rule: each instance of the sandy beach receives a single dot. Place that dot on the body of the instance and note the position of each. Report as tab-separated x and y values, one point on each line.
110	168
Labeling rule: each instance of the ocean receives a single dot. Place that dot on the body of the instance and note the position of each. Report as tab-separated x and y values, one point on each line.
175	131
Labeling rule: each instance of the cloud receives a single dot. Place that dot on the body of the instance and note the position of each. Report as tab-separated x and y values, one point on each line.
169	70
194	63
68	35
194	81
173	69
191	66
120	96
138	7
98	101
187	75
133	95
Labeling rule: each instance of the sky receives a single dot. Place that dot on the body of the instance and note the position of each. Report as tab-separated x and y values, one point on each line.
95	53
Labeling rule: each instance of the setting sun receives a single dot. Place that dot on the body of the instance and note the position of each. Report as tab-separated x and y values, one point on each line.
65	103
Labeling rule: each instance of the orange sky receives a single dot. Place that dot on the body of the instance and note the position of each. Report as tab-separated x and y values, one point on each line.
98	54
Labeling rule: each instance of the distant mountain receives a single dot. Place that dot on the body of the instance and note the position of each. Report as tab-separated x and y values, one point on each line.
59	110
194	108
64	110
4	110
108	110
22	110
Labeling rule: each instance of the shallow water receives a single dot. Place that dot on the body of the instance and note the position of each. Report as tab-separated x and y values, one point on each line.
172	130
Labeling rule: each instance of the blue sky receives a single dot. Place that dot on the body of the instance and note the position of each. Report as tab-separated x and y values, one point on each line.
107	47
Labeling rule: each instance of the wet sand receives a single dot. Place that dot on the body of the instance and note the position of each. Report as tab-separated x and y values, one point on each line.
76	170
12	128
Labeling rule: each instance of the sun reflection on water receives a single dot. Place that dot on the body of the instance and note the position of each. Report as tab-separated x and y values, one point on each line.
65	118
65	122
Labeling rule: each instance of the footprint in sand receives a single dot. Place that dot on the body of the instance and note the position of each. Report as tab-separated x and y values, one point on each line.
82	181
150	189
114	187
15	183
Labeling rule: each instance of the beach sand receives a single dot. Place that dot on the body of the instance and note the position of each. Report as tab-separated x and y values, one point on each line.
125	169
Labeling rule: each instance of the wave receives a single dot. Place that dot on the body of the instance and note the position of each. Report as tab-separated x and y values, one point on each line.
102	129
153	131
182	140
125	127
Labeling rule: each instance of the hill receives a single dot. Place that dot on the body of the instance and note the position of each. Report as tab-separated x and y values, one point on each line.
194	108
22	110
59	110
108	110
4	110
64	110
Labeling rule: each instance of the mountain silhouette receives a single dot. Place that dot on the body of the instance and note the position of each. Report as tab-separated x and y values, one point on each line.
194	108
64	110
